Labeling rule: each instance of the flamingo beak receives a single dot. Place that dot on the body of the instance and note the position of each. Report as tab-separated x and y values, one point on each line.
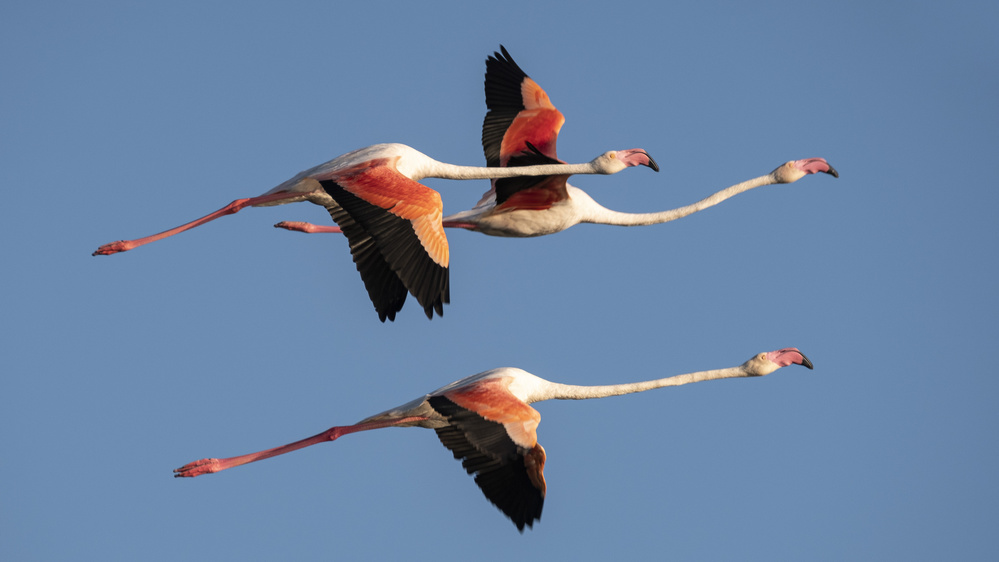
655	167
832	172
804	360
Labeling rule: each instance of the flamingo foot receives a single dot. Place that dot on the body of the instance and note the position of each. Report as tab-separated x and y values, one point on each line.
197	468
114	248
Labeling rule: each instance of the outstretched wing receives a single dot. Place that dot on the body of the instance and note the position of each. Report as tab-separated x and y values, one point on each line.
396	236
520	121
519	112
494	435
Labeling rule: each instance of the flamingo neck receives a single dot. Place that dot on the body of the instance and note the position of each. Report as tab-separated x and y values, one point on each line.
557	391
446	171
595	213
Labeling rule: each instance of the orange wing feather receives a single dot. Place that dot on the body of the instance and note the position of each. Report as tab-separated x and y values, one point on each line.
534	463
520	113
551	190
492	400
538	123
379	182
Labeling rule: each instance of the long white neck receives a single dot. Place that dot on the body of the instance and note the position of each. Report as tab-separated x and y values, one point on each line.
558	391
595	213
452	172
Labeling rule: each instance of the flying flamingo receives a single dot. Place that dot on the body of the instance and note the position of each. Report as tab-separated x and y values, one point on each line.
392	222
521	128
486	422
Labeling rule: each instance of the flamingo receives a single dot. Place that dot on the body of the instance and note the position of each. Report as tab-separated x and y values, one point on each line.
392	222
521	128
485	420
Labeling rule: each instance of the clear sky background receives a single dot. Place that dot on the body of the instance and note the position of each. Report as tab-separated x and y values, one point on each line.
119	120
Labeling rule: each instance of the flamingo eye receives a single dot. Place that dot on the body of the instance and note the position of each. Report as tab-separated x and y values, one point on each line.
612	155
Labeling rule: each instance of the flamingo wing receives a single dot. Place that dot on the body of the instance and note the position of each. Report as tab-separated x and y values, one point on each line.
520	121
530	193
519	112
494	435
396	235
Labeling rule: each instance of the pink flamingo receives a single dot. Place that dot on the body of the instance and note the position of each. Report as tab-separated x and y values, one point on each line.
521	128
392	221
485	420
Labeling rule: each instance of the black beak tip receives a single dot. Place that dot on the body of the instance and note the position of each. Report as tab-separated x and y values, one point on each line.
654	166
805	362
832	172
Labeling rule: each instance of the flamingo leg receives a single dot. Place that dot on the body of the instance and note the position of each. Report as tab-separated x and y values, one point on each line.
234	207
206	466
460	224
307	227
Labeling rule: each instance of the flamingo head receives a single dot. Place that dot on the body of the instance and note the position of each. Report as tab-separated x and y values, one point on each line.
616	160
766	363
797	169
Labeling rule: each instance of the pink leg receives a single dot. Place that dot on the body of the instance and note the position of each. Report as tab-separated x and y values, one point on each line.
307	227
459	224
205	466
235	206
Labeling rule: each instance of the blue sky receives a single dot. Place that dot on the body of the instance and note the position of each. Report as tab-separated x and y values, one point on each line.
120	120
